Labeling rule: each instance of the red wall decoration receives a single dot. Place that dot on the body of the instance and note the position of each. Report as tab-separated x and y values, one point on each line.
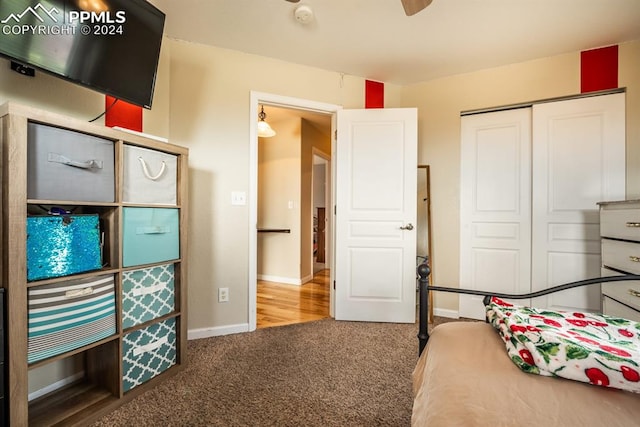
122	114
599	69
373	94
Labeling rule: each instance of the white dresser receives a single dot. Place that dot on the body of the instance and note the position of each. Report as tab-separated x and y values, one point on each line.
620	238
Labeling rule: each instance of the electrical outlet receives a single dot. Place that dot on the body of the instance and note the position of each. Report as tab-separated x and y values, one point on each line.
223	294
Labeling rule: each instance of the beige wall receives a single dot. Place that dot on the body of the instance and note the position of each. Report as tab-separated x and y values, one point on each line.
209	112
202	102
56	95
439	104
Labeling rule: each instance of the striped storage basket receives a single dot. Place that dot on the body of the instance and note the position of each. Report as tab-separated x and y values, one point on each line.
147	294
148	352
69	315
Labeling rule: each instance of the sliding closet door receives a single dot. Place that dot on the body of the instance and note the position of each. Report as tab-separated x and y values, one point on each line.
495	205
578	160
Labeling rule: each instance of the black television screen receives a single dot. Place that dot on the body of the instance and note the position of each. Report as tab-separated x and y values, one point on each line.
111	46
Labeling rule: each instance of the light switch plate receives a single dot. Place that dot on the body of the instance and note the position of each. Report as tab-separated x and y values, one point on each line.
238	198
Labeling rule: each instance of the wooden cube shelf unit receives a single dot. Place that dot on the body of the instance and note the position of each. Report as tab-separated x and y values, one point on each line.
99	382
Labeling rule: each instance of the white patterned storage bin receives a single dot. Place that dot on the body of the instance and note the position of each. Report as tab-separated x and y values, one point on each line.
69	315
148	293
148	352
149	176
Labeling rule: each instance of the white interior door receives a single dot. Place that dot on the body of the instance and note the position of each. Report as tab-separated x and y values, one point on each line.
375	193
495	206
578	161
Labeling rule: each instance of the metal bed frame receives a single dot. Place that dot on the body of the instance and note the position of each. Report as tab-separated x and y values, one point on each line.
424	289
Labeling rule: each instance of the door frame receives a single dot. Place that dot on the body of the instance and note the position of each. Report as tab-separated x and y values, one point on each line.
282	102
327	202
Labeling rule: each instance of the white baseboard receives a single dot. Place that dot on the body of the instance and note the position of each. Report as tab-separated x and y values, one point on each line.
278	279
194	334
55	386
452	314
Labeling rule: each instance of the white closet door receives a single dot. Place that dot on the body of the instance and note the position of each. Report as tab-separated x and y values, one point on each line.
495	206
578	160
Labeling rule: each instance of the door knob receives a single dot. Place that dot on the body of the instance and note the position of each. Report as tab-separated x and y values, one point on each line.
407	227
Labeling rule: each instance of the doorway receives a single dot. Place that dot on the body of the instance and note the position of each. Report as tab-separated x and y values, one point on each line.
321	237
293	190
392	283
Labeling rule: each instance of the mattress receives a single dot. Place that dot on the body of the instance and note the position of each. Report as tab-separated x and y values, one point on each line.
464	377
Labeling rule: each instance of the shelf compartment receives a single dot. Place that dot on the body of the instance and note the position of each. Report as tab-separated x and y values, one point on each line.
95	390
64	404
108	218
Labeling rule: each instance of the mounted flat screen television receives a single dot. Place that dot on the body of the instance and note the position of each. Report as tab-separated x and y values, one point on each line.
111	46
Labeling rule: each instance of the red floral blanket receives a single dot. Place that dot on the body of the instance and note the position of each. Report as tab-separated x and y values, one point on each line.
587	347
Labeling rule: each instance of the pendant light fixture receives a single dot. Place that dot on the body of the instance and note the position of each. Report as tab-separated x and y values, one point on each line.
264	130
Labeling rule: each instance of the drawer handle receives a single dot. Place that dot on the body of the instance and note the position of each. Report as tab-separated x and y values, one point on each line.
145	170
138	292
633	224
634	293
137	351
634	258
89	164
77	293
159	230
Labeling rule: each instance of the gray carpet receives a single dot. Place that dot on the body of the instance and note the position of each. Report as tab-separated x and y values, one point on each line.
322	373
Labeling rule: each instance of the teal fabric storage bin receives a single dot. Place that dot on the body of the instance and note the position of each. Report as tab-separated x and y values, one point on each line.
150	235
148	352
147	294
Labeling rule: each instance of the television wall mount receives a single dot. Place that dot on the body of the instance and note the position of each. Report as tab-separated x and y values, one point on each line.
23	69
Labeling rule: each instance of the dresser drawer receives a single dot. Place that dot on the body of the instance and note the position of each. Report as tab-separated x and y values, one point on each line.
623	256
615	309
627	292
620	223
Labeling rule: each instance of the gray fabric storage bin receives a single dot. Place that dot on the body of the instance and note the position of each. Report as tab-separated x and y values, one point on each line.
68	165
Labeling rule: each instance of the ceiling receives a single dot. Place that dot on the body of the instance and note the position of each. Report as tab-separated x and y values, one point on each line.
374	39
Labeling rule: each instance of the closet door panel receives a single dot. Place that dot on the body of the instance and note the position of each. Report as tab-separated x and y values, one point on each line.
495	206
578	154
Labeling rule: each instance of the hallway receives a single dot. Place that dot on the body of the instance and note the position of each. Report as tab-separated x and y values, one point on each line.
281	304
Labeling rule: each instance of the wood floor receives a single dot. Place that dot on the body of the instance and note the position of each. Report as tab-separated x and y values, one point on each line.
280	304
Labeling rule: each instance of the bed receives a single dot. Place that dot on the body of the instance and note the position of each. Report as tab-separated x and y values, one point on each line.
465	377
